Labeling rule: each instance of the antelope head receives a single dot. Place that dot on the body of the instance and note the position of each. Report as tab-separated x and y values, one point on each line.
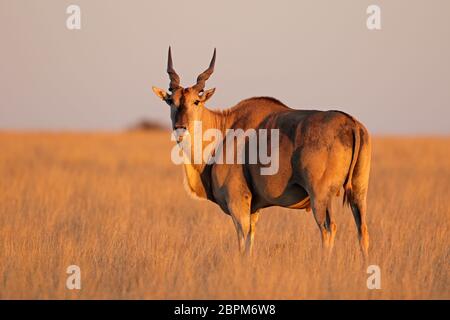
186	104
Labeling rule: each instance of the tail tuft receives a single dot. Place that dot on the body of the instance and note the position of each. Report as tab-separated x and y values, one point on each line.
347	198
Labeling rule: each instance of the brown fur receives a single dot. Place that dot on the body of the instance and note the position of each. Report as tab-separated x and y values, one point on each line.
320	152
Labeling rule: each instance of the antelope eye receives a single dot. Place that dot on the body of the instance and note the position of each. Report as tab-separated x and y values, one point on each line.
196	102
169	101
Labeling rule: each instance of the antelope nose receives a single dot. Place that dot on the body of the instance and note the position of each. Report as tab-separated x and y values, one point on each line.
179	132
178	126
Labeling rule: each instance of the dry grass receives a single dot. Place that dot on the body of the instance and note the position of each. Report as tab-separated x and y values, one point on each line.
114	204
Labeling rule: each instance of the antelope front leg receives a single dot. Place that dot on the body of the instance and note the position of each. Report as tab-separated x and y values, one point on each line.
241	232
240	212
253	220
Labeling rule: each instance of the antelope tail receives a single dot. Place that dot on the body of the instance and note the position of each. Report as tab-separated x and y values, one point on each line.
348	181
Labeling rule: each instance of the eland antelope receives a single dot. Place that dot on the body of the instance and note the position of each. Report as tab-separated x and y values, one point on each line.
319	153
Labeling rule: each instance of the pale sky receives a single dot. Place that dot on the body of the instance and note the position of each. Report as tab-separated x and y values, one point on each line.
309	54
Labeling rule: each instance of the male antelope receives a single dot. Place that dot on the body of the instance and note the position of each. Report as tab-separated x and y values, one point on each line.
319	152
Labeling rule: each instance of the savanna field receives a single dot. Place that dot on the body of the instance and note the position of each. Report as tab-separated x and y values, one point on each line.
115	205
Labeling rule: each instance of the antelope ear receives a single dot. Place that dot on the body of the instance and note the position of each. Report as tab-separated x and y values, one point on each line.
160	93
207	94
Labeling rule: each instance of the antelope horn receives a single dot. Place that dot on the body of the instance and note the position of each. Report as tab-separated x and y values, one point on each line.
174	78
201	79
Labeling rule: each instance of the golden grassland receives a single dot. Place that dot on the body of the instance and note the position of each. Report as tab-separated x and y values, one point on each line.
115	205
